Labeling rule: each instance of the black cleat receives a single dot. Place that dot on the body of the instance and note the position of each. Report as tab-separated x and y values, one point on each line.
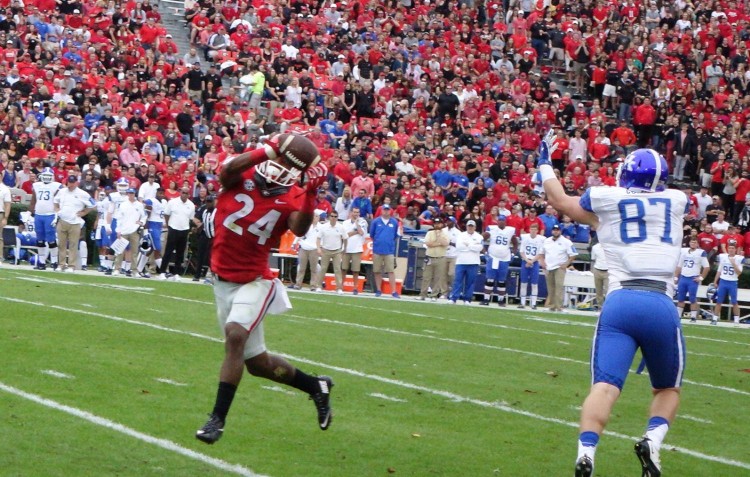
484	303
211	430
584	467
108	272
322	400
649	458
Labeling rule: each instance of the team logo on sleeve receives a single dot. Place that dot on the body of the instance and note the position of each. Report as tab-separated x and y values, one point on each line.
249	185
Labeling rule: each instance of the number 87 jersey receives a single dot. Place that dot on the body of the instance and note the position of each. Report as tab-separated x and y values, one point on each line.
640	232
248	224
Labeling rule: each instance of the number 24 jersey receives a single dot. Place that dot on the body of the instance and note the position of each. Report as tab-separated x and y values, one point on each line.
248	224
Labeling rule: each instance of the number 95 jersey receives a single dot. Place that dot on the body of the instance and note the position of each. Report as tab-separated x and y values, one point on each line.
248	224
640	232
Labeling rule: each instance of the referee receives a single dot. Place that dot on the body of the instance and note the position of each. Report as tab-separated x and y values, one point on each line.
204	220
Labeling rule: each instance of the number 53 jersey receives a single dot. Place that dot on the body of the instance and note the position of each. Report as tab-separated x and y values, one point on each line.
640	232
248	224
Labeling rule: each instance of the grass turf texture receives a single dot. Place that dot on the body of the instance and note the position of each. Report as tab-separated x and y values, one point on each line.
421	389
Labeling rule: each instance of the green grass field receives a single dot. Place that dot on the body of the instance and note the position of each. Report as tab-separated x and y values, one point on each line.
111	377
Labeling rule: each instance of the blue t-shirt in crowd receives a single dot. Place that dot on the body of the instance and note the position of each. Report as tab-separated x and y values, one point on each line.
384	236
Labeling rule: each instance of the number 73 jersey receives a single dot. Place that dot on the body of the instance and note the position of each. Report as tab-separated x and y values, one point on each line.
640	232
248	224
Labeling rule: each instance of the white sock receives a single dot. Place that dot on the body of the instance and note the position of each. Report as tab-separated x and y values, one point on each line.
657	434
126	266
142	260
736	319
43	254
107	263
53	252
693	314
534	293
102	259
83	253
523	300
588	451
157	262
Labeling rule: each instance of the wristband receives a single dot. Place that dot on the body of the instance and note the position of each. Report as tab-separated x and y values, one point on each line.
547	172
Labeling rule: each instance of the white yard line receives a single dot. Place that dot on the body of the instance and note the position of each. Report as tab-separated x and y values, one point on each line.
169	381
279	389
386	397
156	441
436	392
695	419
56	374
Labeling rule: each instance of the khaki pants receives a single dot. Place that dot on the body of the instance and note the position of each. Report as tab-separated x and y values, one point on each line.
335	257
434	274
133	240
307	258
67	238
450	272
555	287
601	283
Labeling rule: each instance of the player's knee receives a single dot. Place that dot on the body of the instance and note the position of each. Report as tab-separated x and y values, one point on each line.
52	244
489	283
40	243
665	390
235	337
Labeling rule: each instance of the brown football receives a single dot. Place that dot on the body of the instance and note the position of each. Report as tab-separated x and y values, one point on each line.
297	151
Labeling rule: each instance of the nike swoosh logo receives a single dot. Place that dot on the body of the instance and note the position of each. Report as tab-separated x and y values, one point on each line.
277	201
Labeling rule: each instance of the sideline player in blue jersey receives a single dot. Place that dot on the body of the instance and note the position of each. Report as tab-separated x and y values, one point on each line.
639	224
691	270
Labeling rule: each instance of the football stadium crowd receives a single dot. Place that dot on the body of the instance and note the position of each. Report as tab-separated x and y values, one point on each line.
435	108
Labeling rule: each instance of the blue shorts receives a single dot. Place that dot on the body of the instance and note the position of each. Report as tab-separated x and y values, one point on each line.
530	274
113	233
633	319
154	228
103	240
27	239
500	273
687	286
45	232
726	287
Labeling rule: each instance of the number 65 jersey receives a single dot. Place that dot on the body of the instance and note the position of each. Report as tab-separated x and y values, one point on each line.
640	232
248	224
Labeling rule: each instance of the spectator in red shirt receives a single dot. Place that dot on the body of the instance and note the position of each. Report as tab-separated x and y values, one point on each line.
708	242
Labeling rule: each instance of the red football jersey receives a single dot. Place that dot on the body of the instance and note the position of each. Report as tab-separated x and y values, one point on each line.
248	224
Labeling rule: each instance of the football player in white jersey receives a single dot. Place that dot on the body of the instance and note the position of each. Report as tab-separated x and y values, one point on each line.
100	236
110	221
502	239
639	224
43	207
154	209
531	245
691	270
730	269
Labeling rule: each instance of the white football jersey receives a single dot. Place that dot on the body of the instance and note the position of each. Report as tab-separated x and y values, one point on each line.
726	269
641	232
45	195
692	262
157	210
500	242
102	206
531	247
28	222
115	199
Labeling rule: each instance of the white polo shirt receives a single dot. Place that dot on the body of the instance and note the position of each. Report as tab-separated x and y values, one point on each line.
558	252
309	241
131	217
356	242
71	203
180	213
331	236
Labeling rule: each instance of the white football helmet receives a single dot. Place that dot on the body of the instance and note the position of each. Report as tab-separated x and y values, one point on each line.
277	174
46	175
122	185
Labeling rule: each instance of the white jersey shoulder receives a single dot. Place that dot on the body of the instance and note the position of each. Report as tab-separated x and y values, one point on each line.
102	207
531	247
45	195
500	241
157	210
641	232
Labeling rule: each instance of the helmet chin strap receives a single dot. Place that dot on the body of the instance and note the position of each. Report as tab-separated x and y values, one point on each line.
269	189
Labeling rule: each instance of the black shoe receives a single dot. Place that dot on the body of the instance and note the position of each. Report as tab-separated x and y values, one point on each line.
584	467
196	279
649	458
211	431
533	307
54	267
322	400
41	267
84	268
128	273
108	272
484	303
501	303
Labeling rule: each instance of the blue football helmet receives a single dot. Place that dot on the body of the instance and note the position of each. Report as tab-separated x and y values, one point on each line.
644	170
122	185
711	293
47	175
146	244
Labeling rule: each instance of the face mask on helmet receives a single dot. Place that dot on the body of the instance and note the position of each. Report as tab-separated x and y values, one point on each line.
122	186
47	176
276	174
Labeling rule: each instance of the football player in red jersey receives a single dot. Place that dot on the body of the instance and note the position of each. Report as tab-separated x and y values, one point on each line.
265	192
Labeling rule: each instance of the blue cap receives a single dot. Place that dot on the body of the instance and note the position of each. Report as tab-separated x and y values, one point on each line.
323	216
502	217
386	207
130	191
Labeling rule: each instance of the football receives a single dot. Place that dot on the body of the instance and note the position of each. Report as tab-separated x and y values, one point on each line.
297	151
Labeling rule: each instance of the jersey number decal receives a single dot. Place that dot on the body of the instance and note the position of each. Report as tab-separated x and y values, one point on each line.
688	263
727	270
263	228
627	234
501	240
530	251
43	195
